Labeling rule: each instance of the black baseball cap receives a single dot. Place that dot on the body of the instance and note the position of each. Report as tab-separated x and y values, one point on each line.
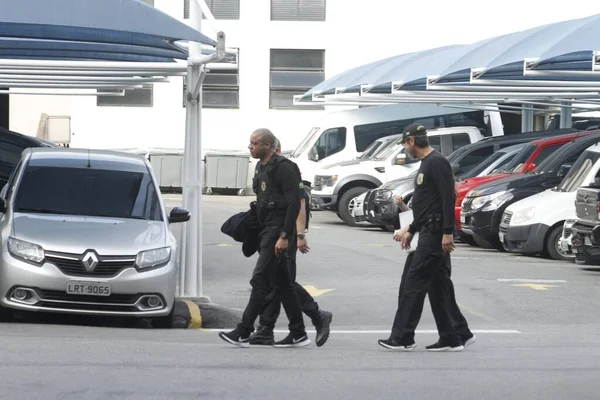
413	130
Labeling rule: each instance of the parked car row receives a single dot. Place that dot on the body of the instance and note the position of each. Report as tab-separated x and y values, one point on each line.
534	193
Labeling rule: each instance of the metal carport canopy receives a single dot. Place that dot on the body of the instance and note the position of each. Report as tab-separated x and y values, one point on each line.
116	44
556	62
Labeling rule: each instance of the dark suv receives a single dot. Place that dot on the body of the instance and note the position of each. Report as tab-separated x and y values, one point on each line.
12	145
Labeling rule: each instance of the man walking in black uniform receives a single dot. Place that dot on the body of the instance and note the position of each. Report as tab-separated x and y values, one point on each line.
321	319
433	208
277	204
461	325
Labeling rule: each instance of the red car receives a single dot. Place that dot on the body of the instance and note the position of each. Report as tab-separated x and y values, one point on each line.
527	160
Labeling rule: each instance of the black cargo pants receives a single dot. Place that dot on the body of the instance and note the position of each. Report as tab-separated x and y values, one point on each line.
272	308
427	271
271	270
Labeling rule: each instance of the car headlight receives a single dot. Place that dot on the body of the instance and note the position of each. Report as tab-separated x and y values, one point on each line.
490	202
153	258
524	215
25	251
383	196
326	180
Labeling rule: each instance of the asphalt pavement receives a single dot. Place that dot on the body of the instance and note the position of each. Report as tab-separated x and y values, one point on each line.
536	321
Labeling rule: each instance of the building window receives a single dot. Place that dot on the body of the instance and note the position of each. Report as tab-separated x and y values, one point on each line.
139	97
294	72
149	2
298	10
221	88
220	9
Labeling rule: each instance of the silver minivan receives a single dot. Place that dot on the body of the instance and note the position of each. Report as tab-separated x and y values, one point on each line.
86	232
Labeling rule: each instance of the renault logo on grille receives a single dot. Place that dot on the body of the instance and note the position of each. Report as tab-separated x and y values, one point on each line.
90	261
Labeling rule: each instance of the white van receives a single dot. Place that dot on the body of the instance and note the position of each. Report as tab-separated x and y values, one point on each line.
543	214
343	135
336	185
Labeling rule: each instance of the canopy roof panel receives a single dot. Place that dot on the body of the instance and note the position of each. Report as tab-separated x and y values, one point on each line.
563	52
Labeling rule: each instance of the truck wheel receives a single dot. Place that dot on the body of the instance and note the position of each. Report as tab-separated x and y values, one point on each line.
387	228
552	249
344	203
494	240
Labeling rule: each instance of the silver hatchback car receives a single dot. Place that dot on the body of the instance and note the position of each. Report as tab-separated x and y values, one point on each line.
86	232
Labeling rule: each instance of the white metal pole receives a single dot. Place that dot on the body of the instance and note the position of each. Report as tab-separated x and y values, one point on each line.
191	254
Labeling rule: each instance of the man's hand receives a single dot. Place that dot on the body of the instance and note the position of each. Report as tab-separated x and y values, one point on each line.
399	233
303	245
406	239
281	246
398	200
448	243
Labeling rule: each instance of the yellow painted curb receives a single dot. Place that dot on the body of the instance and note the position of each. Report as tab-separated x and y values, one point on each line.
195	315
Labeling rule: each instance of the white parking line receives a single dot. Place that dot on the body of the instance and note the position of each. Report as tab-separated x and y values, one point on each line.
387	331
526	280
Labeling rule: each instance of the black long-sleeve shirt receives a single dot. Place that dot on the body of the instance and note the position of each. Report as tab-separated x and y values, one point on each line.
434	193
287	177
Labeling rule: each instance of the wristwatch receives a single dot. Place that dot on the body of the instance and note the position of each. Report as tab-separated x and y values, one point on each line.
283	235
301	236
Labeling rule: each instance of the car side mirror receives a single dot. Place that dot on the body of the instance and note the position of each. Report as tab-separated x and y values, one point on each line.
403	159
179	214
2	205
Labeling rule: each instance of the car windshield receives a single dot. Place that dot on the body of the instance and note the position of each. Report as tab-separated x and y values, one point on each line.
371	150
550	164
305	142
384	153
517	163
578	171
482	166
88	192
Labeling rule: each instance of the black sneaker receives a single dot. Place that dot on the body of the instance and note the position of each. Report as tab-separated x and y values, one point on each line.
263	336
441	345
322	325
290	341
391	344
469	340
235	338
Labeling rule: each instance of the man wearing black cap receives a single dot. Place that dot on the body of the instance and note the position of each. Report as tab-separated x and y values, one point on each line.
321	319
433	209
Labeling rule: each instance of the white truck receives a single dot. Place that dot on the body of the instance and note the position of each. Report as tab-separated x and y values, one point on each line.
335	186
343	135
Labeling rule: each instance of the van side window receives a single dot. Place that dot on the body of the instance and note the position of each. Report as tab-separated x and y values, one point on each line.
331	141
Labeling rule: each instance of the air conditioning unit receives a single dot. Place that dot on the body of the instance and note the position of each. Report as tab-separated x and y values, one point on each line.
55	128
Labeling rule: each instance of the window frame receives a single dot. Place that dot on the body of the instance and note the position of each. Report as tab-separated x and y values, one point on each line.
297	16
293	90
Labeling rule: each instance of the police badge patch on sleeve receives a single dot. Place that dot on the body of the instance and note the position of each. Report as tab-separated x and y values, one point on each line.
420	178
263	186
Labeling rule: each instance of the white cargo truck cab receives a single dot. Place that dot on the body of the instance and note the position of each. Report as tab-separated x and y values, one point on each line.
343	135
336	185
542	216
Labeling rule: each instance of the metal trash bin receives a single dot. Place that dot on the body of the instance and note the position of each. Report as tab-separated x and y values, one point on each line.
168	169
226	170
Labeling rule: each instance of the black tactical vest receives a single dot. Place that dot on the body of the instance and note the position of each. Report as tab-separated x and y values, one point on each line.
270	202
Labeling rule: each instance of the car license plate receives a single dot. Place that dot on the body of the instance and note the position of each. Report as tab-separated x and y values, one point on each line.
462	218
88	288
501	237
